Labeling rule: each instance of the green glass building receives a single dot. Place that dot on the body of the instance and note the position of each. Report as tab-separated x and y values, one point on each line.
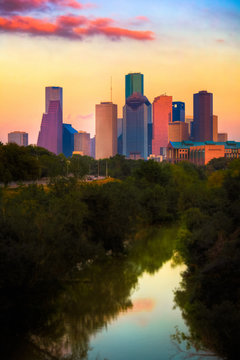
133	84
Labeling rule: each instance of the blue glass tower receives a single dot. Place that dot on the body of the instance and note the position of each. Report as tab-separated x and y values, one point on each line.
133	83
68	139
178	111
136	121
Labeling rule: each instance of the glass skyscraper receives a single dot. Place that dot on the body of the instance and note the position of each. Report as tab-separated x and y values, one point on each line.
178	111
203	116
133	83
136	120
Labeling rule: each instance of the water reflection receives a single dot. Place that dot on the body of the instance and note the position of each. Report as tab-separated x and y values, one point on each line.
100	294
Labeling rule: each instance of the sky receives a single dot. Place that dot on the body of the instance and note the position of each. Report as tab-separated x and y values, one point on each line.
181	47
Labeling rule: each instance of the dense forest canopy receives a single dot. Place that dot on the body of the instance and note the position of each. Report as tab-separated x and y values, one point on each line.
48	232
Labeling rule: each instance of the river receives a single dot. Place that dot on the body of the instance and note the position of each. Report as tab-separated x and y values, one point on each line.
116	309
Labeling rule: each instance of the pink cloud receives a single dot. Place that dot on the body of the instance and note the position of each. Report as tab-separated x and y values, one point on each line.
85	117
220	41
70	26
19	6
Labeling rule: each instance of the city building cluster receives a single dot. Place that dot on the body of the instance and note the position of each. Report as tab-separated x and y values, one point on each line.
158	131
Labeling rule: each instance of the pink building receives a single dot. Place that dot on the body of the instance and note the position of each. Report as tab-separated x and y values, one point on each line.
106	130
50	134
162	116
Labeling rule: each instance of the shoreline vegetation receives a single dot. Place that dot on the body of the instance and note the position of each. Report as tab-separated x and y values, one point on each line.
52	233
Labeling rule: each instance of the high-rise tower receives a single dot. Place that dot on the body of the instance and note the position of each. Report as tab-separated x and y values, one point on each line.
106	130
136	118
133	84
53	93
162	116
178	111
203	116
50	134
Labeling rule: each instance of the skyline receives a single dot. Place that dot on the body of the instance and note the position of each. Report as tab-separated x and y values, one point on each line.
194	47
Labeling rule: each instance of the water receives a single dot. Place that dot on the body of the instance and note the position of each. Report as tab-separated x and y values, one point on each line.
116	309
144	331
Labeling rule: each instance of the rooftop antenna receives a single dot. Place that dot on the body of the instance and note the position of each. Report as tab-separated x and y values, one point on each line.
111	89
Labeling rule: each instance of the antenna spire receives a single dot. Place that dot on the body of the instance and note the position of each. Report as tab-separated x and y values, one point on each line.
111	89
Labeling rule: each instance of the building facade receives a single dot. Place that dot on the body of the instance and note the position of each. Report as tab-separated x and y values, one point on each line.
106	130
50	134
223	137
136	117
203	116
53	93
18	137
215	128
134	83
178	111
200	153
189	121
178	131
162	116
68	139
82	143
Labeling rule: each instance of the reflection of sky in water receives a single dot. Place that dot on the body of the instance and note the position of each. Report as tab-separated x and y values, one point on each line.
144	331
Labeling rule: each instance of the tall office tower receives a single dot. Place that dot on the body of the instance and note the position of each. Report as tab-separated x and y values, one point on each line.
50	134
106	130
68	139
178	111
136	117
133	84
82	143
53	93
203	116
215	127
92	145
119	136
162	116
18	137
189	121
177	131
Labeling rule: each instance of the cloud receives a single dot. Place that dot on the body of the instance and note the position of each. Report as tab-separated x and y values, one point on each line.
220	41
70	26
85	117
23	6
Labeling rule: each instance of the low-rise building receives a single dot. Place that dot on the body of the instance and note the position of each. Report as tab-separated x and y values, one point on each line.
200	153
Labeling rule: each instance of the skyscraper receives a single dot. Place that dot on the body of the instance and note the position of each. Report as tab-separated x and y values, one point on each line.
68	139
106	130
178	111
133	84
177	131
136	117
53	93
50	134
119	135
18	137
162	116
203	116
82	143
215	128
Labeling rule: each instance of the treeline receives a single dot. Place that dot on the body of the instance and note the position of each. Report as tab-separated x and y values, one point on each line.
46	233
209	244
19	163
